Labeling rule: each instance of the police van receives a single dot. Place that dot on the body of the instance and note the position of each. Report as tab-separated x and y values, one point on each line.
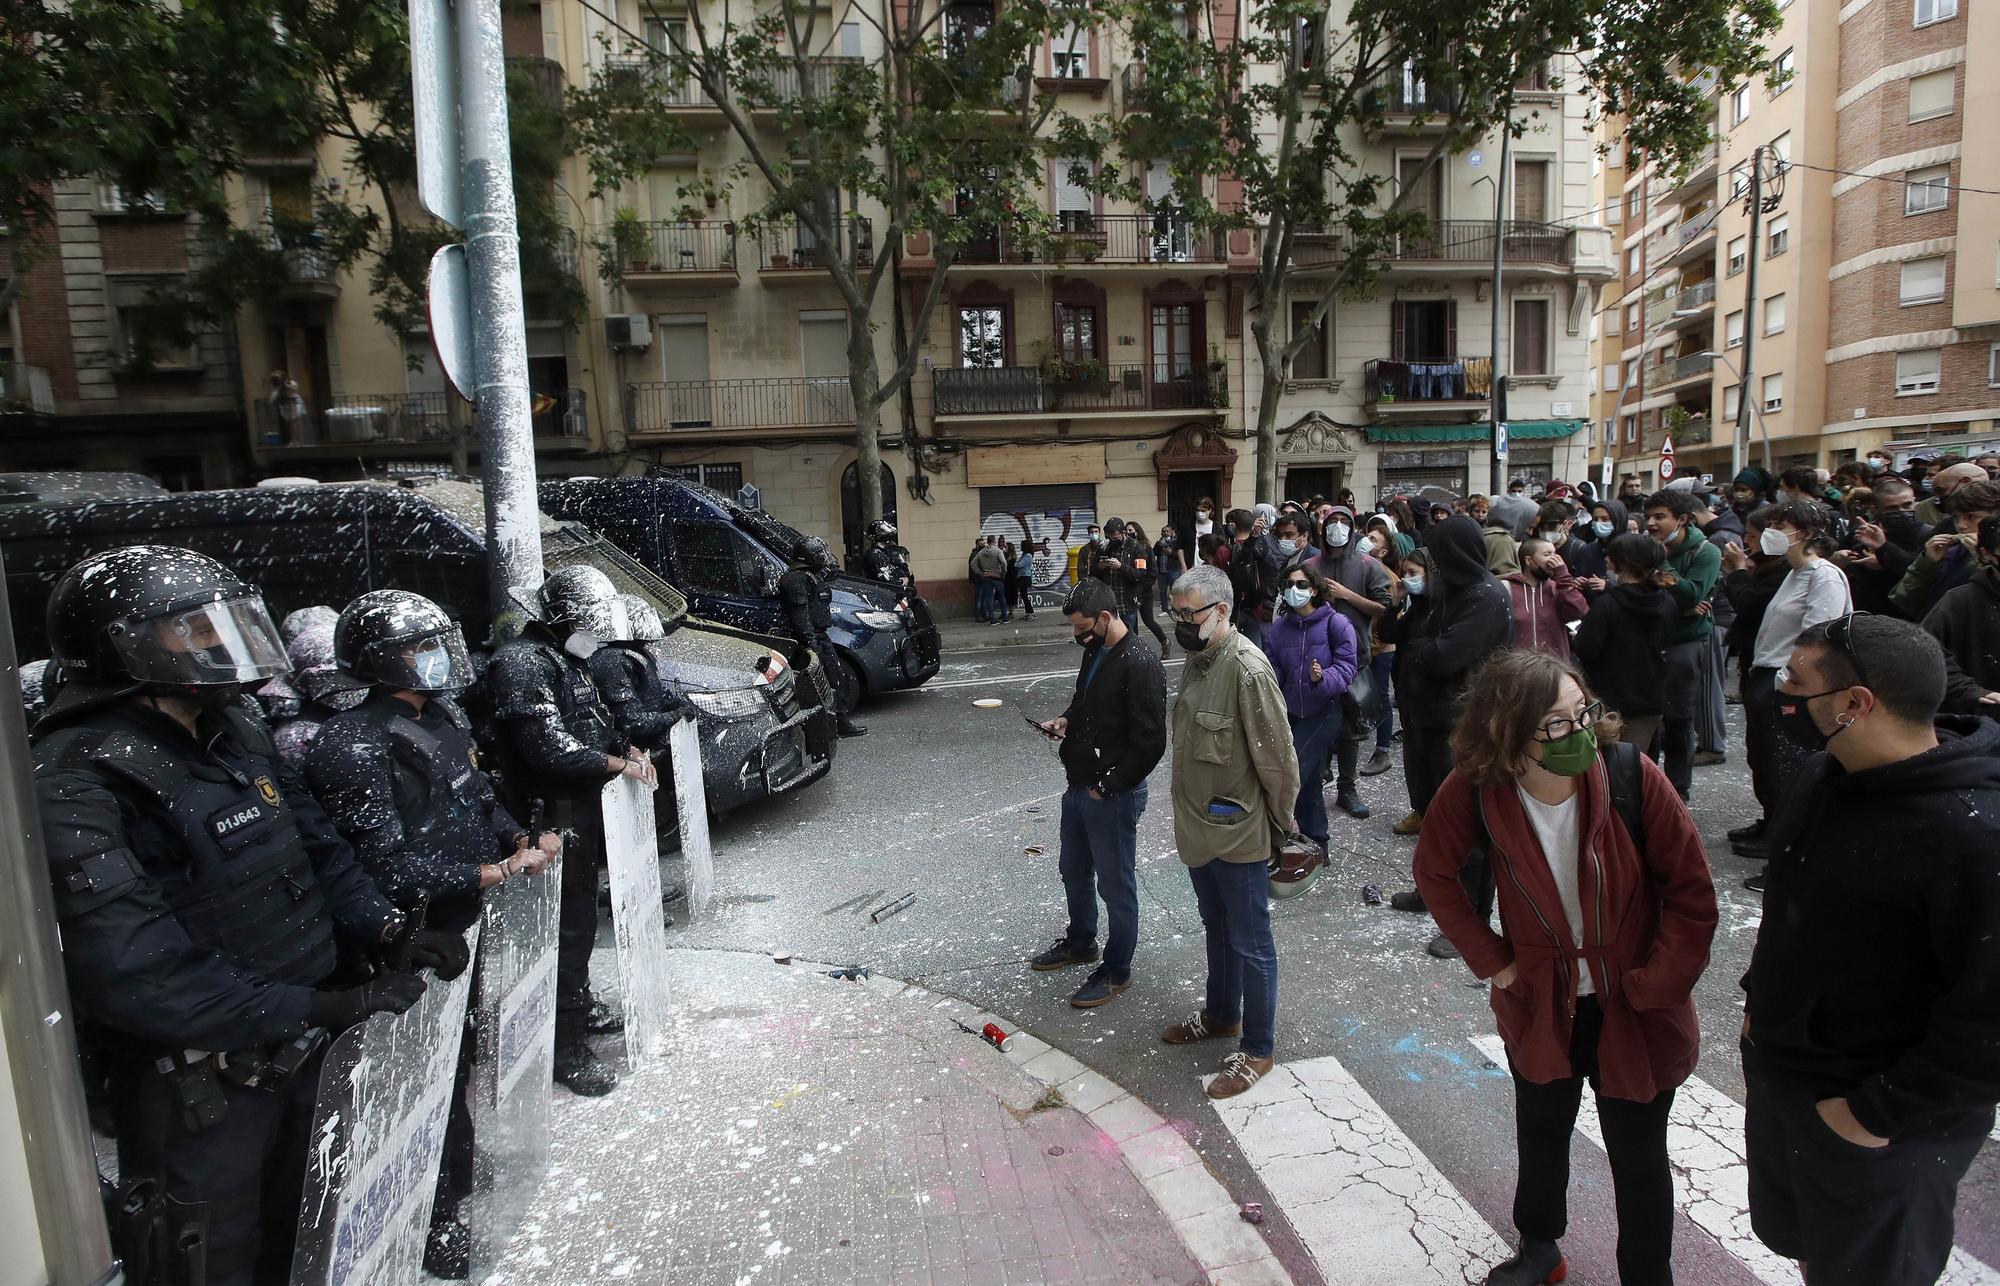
329	543
727	560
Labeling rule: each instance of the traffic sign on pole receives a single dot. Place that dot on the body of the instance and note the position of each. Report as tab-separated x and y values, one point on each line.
449	304
1667	459
1604	471
434	95
1500	440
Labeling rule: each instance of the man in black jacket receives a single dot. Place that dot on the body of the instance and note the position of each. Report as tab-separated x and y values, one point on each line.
1871	1034
1966	623
1112	735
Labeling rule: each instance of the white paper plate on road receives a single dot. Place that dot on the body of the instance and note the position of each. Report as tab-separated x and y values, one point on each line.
988	703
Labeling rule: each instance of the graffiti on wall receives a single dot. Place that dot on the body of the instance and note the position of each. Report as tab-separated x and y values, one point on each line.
1051	533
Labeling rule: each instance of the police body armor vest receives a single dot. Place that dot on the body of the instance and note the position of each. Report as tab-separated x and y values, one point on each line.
455	793
247	891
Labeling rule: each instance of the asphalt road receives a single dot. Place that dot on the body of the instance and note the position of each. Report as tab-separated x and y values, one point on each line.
960	805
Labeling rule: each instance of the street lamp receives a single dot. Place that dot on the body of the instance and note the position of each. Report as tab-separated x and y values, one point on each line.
1638	371
1756	409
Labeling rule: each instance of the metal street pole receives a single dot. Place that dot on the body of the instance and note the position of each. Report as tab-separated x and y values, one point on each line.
499	329
1741	430
1498	480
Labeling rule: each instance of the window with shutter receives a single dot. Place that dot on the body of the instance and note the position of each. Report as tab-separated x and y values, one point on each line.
1531	191
1310	361
1931	95
1531	337
1918	371
1922	281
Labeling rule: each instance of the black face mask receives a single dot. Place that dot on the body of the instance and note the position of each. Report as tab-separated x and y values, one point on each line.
1903	529
1795	719
210	697
1189	637
1087	639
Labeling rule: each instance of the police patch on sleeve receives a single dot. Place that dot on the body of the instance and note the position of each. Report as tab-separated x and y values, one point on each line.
268	789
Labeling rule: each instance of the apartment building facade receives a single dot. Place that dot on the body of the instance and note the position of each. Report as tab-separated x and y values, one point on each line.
1876	307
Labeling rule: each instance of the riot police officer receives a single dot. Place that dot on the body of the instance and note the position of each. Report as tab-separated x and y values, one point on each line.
644	708
886	560
297	705
808	601
204	901
563	745
398	776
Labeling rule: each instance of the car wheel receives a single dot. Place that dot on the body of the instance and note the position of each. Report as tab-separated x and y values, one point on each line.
855	677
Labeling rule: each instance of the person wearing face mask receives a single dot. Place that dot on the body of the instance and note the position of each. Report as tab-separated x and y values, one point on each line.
1545	599
203	898
1204	518
1813	592
400	781
1696	565
1948	474
1947	558
1312	650
1966	624
1253	569
1604	520
1871	1040
1622	643
1113	734
1292	545
1749	489
1879	462
1357	587
1607	913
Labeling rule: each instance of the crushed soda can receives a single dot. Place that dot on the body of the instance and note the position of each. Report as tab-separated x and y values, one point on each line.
1252	1212
1371	895
994	1036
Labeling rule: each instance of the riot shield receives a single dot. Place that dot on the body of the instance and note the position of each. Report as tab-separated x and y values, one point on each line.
632	851
691	799
377	1136
514	1022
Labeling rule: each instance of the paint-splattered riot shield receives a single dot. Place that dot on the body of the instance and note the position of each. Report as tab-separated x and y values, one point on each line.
691	801
638	921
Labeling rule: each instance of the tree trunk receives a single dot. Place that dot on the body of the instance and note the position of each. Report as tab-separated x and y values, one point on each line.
1267	406
864	381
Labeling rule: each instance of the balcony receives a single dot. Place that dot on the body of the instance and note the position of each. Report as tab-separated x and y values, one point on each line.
1670	374
789	85
1405	103
1679	307
1454	246
1693	431
309	267
673	92
407	420
790	254
676	255
1392	387
676	406
1698	180
1113	240
542	76
1083	389
25	390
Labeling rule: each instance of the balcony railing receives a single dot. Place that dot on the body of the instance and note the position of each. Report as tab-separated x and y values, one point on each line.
1084	389
1466	241
1695	429
666	86
1404	93
821	79
1082	237
403	419
1441	379
303	249
1693	229
785	246
1667	373
25	390
1697	296
665	247
670	405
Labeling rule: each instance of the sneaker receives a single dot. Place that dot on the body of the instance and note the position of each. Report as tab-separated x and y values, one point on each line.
603	1020
1097	989
1709	758
448	1249
1062	956
586	1075
1755	830
1410	825
1441	948
1348	800
1536	1263
1756	882
1751	850
1196	1028
1410	900
1239	1072
1379	762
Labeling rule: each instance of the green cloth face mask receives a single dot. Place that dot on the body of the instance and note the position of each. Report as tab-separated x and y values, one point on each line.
1570	756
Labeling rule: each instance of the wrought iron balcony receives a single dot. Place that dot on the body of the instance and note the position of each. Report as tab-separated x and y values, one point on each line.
788	247
1081	237
668	406
1083	388
669	247
402	419
1667	374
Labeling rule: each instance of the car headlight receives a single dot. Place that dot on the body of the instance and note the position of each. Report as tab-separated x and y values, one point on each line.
876	620
733	704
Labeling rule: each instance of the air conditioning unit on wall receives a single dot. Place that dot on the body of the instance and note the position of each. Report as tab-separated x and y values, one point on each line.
628	330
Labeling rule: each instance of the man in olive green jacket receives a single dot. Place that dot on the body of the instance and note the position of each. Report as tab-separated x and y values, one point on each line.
1235	781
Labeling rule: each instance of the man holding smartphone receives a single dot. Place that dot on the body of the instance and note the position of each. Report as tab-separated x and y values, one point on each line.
1112	735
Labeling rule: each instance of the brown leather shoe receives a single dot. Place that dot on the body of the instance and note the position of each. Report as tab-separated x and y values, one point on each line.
1239	1073
1197	1028
1413	824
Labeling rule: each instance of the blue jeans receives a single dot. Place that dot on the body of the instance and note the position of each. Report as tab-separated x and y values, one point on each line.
1311	740
1131	619
1381	667
992	599
1100	855
1235	903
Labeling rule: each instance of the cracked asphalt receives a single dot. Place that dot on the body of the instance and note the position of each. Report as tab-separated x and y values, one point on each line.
959	805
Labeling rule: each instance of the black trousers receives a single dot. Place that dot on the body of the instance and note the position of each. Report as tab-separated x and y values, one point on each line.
1857	1216
1774	758
249	1168
839	679
582	815
1426	762
1146	613
1635	1141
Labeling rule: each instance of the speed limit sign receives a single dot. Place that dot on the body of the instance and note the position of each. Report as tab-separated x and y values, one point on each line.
1667	460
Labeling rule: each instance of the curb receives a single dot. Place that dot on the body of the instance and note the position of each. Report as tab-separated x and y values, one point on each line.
1205	1217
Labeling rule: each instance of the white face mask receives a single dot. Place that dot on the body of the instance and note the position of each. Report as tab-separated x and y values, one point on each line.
433	667
1297	596
1338	534
1774	543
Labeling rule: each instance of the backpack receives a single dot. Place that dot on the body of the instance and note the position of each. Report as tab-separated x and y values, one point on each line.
1628	794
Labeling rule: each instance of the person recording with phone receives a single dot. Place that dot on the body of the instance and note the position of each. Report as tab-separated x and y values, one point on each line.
1112	735
1949	555
1884	539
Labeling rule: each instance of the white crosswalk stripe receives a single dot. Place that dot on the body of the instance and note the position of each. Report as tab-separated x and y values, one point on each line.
1342	1172
1712	1181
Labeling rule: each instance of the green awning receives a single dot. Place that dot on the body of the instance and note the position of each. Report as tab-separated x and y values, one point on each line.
1517	431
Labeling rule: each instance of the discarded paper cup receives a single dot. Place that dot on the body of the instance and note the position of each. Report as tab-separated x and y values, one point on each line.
1000	1040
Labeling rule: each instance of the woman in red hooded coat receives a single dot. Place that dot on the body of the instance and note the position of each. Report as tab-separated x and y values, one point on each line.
1604	930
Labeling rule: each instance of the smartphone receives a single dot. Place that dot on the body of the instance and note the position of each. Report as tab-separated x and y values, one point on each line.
1036	724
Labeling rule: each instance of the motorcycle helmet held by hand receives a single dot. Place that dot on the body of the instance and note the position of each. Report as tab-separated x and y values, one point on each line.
159	620
402	641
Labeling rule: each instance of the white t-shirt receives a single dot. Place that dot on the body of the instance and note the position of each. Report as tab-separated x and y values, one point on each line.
1556	830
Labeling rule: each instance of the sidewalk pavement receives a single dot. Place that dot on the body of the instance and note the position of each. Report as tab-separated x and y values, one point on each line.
805	1129
966	634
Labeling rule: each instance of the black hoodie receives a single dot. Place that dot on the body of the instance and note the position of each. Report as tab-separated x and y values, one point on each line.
1621	646
1589	560
1471	617
1966	622
1876	975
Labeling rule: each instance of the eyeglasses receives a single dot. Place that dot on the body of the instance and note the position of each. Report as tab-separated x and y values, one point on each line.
1557	729
1190	615
1840	633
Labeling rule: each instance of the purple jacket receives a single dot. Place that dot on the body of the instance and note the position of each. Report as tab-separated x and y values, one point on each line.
1293	642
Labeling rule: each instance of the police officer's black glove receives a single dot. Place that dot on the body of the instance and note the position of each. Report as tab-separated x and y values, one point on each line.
445	953
389	993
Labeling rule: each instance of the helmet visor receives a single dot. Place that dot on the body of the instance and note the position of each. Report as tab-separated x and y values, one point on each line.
226	642
429	663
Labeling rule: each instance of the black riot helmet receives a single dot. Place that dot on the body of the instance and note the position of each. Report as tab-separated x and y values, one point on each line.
881	531
159	619
812	552
402	641
579	598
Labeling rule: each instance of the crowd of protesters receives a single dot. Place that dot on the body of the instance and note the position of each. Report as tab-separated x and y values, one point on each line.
1555	664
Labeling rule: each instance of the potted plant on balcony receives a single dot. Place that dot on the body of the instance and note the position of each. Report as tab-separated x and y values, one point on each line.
1675	421
629	241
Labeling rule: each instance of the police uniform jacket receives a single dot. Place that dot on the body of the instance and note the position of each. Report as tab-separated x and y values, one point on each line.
556	721
808	603
644	708
199	886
